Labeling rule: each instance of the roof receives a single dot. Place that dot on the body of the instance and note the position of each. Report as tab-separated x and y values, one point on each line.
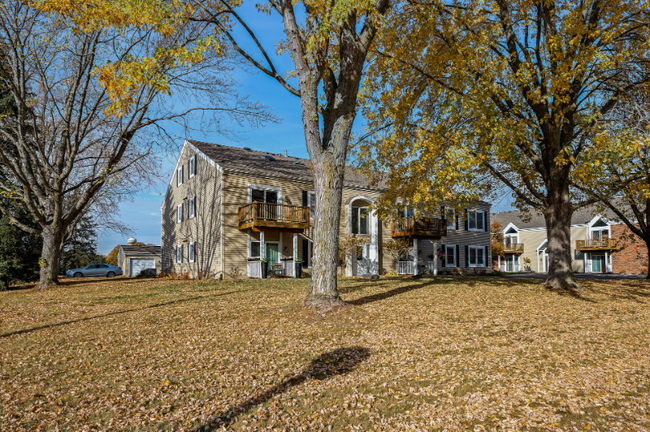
141	250
235	160
582	216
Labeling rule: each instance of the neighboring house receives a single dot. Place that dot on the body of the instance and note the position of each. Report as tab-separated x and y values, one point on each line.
598	244
226	208
134	259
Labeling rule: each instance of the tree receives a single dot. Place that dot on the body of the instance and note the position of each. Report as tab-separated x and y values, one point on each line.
496	239
519	91
329	49
19	254
398	248
89	80
80	245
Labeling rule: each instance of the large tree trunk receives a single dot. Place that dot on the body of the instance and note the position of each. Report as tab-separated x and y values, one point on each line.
557	214
51	256
329	171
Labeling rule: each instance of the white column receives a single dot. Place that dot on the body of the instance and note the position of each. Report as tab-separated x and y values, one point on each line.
584	260
262	246
415	259
608	265
373	255
435	258
499	262
352	265
295	254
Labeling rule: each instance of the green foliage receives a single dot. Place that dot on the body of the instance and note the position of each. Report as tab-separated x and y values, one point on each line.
19	255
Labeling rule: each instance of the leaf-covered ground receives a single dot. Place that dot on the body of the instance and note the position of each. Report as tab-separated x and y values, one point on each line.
430	354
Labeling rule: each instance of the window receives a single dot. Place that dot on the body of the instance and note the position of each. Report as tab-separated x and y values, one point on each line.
476	256
475	220
265	196
360	221
191	252
311	202
450	215
179	213
191	207
255	249
179	254
179	176
450	256
192	167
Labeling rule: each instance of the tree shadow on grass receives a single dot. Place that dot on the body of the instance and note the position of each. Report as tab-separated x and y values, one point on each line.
389	294
157	305
337	362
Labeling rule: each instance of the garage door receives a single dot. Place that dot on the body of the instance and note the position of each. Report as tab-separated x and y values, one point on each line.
136	265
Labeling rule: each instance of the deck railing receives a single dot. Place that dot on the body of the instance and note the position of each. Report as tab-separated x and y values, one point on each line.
273	215
414	226
514	248
596	244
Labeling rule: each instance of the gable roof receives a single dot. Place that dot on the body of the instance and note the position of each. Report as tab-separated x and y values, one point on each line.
582	216
234	160
141	250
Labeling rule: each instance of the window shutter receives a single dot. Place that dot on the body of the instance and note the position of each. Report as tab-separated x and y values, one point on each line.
466	220
456	251
486	221
444	261
466	256
456	221
305	198
485	257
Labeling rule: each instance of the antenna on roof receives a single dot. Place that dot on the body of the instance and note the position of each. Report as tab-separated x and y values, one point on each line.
285	153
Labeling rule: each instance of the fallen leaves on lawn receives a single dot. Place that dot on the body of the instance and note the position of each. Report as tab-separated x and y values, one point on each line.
430	354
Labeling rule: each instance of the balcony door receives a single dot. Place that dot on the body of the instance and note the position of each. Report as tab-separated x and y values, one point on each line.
272	254
268	212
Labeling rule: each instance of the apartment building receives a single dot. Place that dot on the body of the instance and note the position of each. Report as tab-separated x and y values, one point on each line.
227	209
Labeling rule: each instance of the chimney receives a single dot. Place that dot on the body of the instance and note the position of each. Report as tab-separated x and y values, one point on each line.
285	153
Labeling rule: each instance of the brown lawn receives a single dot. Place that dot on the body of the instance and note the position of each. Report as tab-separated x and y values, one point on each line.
431	354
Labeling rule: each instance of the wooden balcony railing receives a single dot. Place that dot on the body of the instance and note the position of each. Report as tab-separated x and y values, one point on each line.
514	248
273	217
595	244
418	227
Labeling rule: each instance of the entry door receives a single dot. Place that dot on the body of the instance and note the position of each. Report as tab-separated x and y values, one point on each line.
510	263
272	253
363	255
597	263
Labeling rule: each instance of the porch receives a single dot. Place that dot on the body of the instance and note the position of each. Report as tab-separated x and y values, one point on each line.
260	216
595	244
414	227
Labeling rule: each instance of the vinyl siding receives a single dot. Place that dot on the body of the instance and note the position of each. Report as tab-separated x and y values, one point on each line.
204	228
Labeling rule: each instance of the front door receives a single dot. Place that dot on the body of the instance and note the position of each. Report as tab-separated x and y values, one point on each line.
272	253
597	263
363	261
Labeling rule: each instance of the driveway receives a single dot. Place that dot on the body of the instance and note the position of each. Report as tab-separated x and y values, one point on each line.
578	276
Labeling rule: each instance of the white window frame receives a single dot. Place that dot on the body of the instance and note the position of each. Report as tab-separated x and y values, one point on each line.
191	207
352	209
264	188
179	250
179	176
191	252
455	264
191	168
311	203
469	254
453	218
180	213
476	212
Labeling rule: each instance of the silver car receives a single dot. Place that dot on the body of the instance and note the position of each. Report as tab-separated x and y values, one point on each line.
106	270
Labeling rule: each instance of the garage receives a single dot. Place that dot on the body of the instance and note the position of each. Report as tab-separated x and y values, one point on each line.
136	265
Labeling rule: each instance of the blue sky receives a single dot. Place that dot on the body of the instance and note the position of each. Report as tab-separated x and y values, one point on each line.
143	214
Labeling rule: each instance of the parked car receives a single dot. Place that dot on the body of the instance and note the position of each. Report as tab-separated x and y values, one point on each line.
106	270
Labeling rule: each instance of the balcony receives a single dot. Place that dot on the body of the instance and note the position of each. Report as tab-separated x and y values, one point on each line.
413	227
273	217
516	248
595	244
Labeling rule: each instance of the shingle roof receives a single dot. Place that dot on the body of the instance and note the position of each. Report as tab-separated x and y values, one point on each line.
141	250
581	216
241	160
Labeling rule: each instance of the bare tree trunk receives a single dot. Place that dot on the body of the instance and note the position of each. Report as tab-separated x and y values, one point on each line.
329	172
51	255
557	214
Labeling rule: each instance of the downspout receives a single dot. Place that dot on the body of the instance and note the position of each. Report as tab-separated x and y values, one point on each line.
221	227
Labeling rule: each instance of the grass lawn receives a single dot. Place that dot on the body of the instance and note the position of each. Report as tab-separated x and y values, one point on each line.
429	354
